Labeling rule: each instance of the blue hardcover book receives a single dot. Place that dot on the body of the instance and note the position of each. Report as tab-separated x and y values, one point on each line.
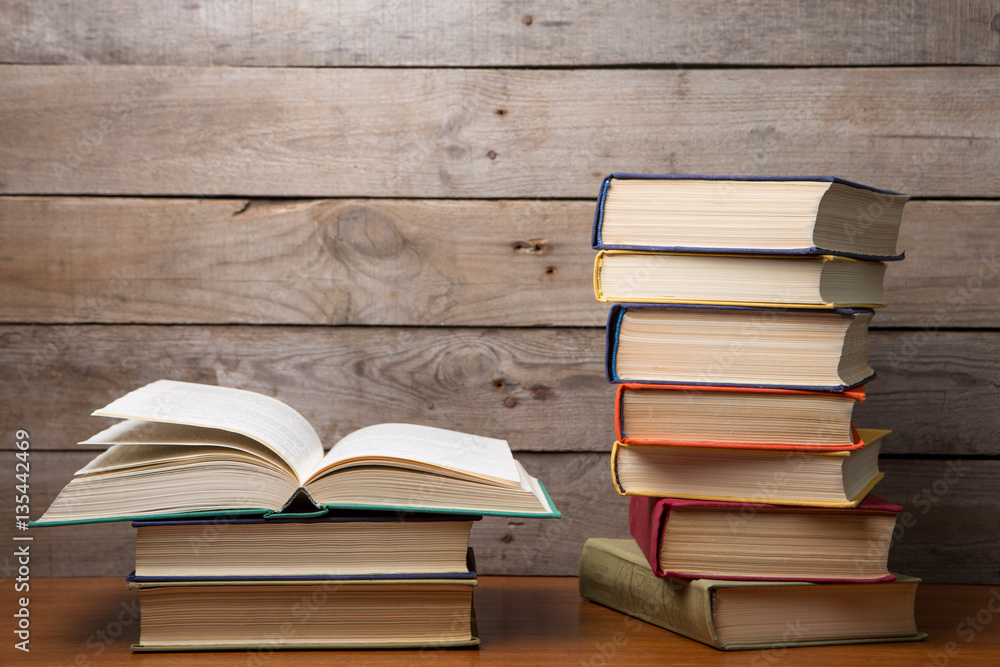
772	215
738	346
362	546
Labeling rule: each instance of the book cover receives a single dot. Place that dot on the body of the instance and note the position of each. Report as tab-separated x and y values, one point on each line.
614	573
277	614
789	556
622	432
766	315
321	548
763	280
839	478
598	242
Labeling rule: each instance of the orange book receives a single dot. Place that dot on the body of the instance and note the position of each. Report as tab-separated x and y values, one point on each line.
736	417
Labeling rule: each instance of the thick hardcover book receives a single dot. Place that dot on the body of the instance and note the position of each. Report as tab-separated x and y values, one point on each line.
701	539
736	417
814	479
794	215
734	615
187	449
821	281
274	614
368	545
734	346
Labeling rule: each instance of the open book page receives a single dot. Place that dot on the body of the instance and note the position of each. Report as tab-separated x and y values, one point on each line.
254	415
146	433
530	483
125	457
484	458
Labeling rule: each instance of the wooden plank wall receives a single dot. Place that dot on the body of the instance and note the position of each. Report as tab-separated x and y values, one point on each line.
380	211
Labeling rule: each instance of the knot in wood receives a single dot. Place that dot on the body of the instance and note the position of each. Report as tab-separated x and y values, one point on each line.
531	247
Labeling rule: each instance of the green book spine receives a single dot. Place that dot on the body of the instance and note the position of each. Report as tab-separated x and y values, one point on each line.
614	573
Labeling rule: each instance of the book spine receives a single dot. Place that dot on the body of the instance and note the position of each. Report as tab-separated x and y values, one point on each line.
598	263
614	469
615	316
619	412
595	237
625	586
647	519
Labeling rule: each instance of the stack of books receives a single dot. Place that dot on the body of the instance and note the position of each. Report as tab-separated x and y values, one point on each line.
738	337
249	537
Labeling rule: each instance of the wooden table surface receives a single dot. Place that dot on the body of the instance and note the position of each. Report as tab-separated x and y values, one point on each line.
522	621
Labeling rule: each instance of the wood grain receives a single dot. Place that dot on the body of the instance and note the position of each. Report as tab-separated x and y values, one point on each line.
468	33
354	261
522	620
937	391
951	274
482	133
948	531
397	262
542	389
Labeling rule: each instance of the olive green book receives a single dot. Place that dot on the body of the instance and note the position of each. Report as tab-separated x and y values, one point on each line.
733	615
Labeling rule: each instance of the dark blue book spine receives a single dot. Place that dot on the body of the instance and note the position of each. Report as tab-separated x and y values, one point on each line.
618	311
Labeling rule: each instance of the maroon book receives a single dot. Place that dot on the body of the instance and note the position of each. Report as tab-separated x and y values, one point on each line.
703	539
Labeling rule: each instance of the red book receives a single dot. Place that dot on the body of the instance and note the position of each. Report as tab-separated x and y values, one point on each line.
703	539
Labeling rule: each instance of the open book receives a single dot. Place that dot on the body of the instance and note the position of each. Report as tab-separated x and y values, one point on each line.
192	449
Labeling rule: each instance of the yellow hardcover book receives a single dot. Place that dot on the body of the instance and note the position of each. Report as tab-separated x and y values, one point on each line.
817	479
812	281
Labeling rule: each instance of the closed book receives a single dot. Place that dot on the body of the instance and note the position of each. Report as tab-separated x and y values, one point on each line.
273	614
733	615
702	539
747	214
749	280
329	546
738	346
817	479
736	417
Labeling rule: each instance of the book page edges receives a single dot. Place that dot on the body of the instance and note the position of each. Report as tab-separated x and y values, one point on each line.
622	491
825	642
607	567
270	646
553	512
